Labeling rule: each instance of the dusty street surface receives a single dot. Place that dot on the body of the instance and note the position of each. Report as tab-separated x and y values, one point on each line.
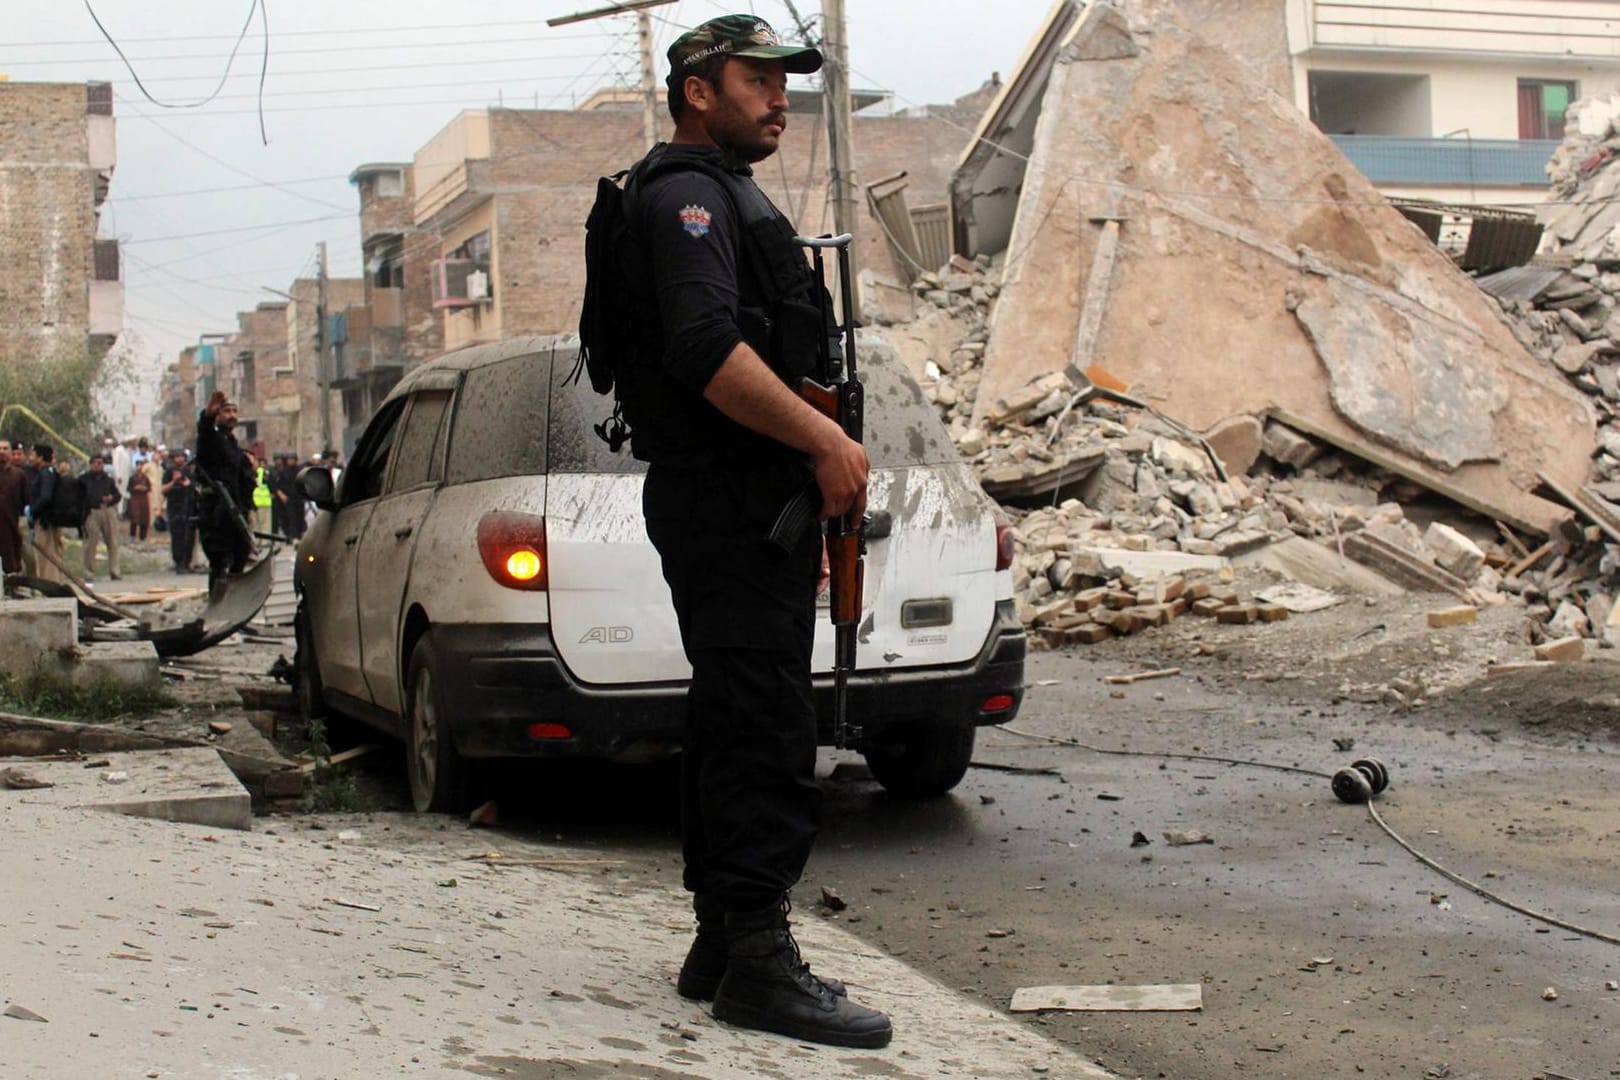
1322	947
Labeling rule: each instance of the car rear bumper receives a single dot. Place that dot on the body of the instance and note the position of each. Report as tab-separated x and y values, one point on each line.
502	681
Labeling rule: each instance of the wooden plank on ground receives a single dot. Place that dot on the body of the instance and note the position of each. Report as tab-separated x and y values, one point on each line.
1187	997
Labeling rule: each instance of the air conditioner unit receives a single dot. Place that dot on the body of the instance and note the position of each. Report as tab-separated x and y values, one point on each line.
449	278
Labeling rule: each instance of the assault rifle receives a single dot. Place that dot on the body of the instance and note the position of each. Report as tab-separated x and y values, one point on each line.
840	397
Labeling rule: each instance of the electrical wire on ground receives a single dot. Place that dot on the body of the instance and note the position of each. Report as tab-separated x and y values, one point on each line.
1449	875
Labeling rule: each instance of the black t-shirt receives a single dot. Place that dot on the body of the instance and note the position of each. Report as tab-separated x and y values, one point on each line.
697	282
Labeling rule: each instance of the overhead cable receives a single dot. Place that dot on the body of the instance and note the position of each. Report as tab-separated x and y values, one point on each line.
258	6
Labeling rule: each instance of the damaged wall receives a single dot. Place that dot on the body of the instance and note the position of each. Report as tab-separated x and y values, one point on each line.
1256	271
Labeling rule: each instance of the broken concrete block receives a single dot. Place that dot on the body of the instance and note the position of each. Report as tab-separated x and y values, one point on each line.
1454	551
1569	621
1177	457
38	636
1236	441
1286	446
1574	359
123	663
1459	615
1563	650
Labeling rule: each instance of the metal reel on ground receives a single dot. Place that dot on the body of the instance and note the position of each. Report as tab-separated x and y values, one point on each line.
1352	786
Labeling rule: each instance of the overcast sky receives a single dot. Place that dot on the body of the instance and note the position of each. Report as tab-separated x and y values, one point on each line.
363	81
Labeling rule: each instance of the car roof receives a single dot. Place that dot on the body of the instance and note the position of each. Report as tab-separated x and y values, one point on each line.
477	356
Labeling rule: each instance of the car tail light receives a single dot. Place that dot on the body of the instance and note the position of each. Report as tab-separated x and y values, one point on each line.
996	703
550	731
513	547
1004	547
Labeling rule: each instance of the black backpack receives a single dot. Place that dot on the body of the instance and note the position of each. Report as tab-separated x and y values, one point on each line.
66	508
607	321
616	301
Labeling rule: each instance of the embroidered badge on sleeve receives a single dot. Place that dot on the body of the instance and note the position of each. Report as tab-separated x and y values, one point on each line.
695	220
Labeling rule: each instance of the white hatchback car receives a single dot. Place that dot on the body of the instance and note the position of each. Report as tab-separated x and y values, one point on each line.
482	586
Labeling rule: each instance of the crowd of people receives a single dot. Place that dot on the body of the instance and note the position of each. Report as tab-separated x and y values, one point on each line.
132	493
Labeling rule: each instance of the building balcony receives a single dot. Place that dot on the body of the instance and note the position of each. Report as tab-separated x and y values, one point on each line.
1394	159
1551	29
387	307
452	169
106	308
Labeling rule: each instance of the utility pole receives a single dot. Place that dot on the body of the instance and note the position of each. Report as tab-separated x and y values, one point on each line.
649	79
322	377
840	153
649	72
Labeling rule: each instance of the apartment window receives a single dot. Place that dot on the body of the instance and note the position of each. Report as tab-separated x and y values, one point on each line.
390	183
106	261
1542	104
98	98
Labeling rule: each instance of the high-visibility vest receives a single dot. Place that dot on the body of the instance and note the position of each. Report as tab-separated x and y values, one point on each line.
261	493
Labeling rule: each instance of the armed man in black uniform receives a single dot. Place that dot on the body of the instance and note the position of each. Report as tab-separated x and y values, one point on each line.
224	486
730	320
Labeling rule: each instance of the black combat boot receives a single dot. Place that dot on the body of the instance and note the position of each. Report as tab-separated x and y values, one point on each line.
769	987
706	959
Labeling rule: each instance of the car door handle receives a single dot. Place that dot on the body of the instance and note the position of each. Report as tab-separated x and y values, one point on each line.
350	540
403	531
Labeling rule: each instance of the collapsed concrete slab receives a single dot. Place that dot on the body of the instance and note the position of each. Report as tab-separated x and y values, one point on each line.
1187	229
192	786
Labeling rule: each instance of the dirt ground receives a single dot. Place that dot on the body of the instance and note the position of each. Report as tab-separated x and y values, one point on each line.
1322	948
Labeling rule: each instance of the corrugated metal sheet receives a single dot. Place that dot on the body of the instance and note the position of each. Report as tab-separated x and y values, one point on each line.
1519	282
280	606
933	226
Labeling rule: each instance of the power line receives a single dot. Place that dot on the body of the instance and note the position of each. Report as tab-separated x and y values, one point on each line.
345	49
387	87
221	161
235	229
259	6
115	197
300	73
310	33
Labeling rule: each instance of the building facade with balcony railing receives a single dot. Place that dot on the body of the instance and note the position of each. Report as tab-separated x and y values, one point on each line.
1459	101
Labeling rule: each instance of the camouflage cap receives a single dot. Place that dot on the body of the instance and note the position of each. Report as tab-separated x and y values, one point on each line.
737	35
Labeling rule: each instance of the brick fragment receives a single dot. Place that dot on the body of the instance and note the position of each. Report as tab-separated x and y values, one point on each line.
1273	613
1238	614
286	784
1564	650
1460	615
1207	607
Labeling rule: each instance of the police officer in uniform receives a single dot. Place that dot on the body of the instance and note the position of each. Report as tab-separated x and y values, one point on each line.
729	444
224	486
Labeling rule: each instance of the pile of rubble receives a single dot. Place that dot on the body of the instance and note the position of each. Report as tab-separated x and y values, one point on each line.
1125	520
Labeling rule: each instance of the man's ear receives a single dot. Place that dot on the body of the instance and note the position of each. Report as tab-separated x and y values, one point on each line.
699	93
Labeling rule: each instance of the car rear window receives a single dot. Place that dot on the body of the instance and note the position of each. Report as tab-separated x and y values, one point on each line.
902	428
500	421
576	409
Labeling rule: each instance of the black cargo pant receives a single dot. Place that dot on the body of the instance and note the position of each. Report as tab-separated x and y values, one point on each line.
750	804
182	534
223	542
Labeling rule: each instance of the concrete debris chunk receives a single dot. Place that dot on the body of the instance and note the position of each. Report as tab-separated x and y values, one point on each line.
1564	650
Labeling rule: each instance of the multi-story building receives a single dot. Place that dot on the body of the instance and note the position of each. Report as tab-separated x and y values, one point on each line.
1458	101
259	379
500	198
374	343
309	363
61	290
177	407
